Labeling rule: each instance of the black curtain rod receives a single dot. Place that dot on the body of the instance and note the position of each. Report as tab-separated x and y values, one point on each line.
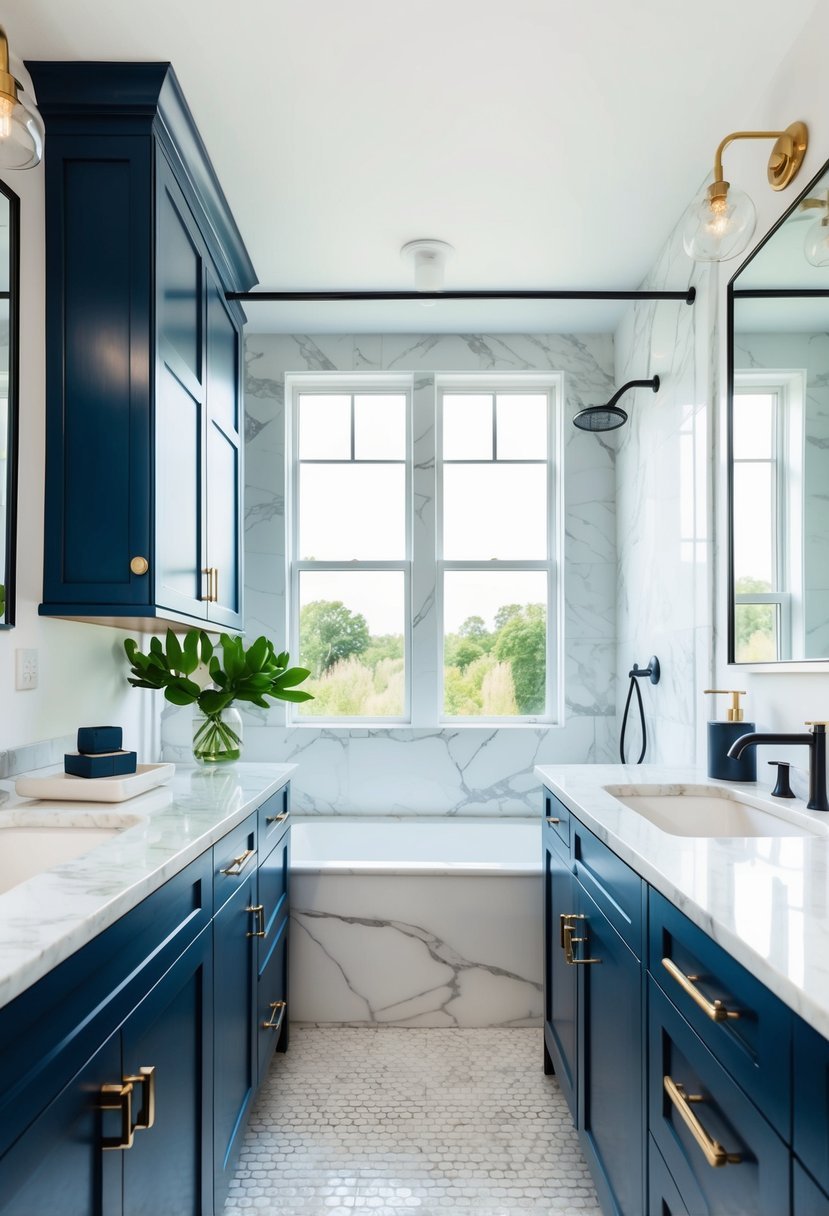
779	293
316	296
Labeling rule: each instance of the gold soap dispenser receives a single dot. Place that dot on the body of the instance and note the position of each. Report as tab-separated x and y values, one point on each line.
722	734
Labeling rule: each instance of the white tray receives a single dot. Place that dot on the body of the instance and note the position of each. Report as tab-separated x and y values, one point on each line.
65	788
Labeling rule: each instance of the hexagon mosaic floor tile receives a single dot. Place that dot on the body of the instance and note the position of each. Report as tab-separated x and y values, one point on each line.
394	1121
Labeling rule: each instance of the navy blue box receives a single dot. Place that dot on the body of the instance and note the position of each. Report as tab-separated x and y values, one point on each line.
111	764
95	740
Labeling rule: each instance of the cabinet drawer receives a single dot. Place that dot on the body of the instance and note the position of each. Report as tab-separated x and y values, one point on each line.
557	817
811	1101
723	1119
272	1001
273	895
618	891
234	857
754	1046
273	819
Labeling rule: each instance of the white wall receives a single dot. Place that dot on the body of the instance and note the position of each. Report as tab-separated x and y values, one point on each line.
665	601
82	667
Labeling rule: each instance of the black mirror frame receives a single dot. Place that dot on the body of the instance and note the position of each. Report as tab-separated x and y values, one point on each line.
13	296
752	293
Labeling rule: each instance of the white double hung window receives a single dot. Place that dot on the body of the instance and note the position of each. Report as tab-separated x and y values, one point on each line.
424	586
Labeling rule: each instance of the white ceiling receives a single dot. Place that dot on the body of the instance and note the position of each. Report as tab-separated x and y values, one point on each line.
553	145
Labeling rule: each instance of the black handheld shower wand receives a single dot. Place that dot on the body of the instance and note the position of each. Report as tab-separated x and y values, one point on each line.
652	672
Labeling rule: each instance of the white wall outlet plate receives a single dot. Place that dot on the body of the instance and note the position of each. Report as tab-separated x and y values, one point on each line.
25	669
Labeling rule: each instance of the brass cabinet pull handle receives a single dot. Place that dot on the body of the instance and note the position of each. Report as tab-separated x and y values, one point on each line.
238	864
281	1006
145	1077
277	818
712	1150
715	1010
258	911
212	584
118	1097
139	565
568	940
564	922
551	819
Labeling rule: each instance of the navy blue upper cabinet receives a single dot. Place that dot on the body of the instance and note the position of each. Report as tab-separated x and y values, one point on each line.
144	355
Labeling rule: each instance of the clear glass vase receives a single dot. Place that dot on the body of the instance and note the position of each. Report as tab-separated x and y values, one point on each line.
217	738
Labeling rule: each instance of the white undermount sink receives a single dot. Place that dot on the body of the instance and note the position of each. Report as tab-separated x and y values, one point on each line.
32	843
710	811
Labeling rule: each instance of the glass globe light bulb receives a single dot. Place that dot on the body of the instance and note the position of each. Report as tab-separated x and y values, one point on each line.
719	228
816	245
21	134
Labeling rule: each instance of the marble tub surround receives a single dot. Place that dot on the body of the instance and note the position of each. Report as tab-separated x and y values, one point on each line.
47	918
434	769
762	899
416	923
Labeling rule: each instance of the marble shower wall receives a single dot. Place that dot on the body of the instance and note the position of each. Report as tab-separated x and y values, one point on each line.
435	770
663	489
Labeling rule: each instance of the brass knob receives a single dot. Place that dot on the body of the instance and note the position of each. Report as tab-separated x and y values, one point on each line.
139	565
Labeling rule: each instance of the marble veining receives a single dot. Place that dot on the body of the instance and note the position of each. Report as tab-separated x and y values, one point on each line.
762	899
47	918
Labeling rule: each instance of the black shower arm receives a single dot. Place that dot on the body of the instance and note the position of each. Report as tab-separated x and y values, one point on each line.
653	383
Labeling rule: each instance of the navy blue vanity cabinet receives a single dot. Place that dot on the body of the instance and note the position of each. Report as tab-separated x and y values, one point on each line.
807	1197
234	1009
272	957
560	980
593	1002
611	1089
143	434
810	1138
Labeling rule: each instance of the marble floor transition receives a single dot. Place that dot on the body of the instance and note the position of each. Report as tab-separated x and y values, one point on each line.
391	1121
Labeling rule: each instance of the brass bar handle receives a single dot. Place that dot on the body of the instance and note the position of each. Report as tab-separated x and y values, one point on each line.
551	819
207	598
715	1010
258	911
145	1077
564	922
570	940
275	1006
712	1150
215	584
212	584
238	864
277	818
118	1097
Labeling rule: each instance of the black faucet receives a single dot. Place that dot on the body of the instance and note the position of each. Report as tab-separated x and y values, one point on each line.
815	740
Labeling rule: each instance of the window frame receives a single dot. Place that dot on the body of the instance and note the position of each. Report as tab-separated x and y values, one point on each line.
336	384
424	566
529	385
788	388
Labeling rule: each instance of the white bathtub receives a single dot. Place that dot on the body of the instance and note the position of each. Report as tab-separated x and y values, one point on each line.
416	922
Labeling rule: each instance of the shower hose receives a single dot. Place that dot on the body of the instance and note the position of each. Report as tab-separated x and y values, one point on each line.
634	684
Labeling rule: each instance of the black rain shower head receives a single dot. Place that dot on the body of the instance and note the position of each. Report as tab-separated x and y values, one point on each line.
609	417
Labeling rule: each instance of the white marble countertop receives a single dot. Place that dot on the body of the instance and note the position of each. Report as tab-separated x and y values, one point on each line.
764	899
53	914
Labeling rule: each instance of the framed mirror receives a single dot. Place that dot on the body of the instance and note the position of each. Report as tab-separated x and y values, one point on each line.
9	314
778	441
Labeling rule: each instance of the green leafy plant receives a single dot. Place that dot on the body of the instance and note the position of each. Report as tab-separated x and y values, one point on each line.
223	674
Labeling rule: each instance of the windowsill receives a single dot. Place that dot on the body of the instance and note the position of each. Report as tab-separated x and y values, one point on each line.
431	728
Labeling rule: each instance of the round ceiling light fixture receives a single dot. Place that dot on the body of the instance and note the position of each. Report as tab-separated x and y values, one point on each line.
21	127
429	259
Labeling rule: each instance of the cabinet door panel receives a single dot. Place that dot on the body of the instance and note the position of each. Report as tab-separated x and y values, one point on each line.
808	1198
274	874
272	1002
233	1008
168	1171
179	431
612	1088
224	457
57	1168
97	500
179	278
560	980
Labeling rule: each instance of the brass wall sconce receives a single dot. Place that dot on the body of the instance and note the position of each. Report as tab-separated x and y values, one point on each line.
721	221
21	127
